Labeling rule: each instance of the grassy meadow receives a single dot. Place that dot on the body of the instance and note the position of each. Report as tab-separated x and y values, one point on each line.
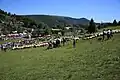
90	60
110	27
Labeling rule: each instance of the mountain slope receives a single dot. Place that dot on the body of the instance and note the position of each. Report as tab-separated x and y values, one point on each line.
52	20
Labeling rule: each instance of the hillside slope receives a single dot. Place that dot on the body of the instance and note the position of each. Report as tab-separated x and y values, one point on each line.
12	22
52	20
93	60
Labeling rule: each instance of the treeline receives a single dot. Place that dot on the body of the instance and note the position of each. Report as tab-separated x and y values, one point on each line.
12	22
93	26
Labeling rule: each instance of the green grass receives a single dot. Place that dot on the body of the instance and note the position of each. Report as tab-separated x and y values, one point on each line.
117	27
111	27
91	60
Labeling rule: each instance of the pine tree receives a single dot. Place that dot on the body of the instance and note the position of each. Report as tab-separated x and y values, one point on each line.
119	23
114	23
92	27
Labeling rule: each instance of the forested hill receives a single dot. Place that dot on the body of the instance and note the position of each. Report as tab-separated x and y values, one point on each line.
53	20
12	22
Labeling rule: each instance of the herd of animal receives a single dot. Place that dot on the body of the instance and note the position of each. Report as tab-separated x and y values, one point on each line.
94	35
42	44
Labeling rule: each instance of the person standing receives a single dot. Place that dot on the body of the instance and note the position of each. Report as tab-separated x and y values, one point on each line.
1	47
63	41
111	35
74	43
103	34
108	34
49	45
4	47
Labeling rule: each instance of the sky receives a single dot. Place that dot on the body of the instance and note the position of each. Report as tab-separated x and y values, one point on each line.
99	10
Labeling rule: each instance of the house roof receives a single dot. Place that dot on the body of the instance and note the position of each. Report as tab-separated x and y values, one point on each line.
56	29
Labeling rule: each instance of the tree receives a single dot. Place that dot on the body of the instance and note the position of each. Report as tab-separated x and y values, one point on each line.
5	31
3	12
82	30
47	30
41	25
9	14
34	27
92	27
2	17
119	23
99	26
114	23
20	29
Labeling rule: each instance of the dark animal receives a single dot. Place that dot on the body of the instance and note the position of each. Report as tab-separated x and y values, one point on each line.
99	39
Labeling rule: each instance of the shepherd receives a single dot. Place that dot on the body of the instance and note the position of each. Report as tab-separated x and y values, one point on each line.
103	34
64	41
58	43
74	43
4	47
108	34
111	35
49	45
1	47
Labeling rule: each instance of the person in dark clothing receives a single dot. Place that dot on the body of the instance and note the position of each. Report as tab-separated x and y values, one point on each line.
54	44
103	34
108	34
111	35
63	41
74	43
1	47
49	45
57	43
4	47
